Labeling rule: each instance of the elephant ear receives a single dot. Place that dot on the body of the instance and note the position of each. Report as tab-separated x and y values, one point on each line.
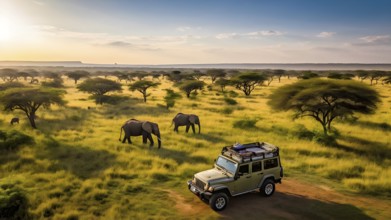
147	127
192	119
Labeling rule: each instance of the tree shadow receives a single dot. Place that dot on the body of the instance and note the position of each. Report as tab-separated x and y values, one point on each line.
288	206
81	161
69	119
134	108
181	157
372	149
369	124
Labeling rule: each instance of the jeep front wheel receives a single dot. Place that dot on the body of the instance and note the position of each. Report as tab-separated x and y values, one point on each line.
268	187
218	201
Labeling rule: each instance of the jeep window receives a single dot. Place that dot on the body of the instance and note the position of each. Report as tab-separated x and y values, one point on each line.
257	166
243	169
271	163
227	165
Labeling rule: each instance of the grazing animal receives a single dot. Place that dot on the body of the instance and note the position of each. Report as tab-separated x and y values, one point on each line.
186	119
14	120
135	127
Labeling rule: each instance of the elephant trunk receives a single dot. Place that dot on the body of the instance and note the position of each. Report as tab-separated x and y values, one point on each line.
199	127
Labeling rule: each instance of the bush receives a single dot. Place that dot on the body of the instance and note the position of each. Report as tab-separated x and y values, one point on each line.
233	94
227	111
303	133
245	123
230	101
324	139
13	203
14	139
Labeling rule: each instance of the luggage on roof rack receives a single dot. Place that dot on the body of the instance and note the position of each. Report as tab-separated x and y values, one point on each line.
250	151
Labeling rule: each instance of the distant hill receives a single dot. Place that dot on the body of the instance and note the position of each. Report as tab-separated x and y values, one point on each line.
41	63
285	66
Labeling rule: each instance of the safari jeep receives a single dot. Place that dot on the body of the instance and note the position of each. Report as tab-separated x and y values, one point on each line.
240	169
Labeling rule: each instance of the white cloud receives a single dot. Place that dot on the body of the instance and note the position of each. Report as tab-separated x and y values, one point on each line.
376	38
183	29
227	35
255	34
325	34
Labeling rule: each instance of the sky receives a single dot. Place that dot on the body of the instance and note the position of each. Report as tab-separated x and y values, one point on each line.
196	32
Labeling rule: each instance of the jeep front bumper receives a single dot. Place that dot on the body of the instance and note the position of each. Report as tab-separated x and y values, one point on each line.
200	193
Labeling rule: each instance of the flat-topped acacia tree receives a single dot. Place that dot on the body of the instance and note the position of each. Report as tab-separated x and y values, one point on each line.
142	86
324	100
29	100
98	87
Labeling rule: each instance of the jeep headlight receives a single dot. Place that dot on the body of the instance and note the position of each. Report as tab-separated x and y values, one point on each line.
210	189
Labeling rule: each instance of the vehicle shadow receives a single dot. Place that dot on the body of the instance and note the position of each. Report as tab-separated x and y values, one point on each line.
288	206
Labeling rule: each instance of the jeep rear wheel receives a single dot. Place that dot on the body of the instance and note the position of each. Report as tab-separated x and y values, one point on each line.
268	187
218	201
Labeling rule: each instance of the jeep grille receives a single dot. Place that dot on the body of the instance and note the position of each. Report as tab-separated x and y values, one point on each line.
200	184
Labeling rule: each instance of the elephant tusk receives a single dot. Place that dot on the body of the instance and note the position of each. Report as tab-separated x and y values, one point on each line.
159	139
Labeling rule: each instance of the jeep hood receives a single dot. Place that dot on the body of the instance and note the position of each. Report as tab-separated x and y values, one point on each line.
213	175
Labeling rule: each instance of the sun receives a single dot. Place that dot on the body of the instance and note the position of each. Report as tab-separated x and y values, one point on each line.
5	29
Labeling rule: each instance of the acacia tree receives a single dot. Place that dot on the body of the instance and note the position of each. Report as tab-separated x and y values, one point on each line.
98	87
8	74
170	98
142	86
248	81
192	85
77	74
216	73
325	100
29	100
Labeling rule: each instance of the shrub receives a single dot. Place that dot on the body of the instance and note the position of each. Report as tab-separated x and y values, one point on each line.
13	203
230	101
245	123
303	133
325	139
227	111
233	94
14	139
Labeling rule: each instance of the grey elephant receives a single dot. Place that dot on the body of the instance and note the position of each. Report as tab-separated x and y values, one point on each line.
135	127
186	119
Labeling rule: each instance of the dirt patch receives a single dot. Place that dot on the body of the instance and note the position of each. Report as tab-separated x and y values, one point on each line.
292	200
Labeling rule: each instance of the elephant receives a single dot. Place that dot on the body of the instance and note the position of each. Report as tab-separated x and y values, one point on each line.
135	127
186	119
14	120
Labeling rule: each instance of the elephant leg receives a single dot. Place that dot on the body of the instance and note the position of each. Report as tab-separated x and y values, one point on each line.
176	128
192	128
145	137
127	138
187	128
150	139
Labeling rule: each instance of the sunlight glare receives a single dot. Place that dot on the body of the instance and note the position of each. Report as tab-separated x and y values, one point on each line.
5	29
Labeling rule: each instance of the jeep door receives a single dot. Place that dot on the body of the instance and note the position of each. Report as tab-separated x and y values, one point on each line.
243	183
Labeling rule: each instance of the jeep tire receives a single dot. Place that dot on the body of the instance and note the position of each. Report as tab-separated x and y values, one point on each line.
218	201
268	187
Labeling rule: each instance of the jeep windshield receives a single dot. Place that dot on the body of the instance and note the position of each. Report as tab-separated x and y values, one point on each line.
227	165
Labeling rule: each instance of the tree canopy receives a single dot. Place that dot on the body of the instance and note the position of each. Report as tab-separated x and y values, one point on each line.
325	100
248	81
190	86
215	73
98	87
142	86
29	100
77	74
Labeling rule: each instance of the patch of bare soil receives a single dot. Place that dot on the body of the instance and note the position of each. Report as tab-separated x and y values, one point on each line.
292	200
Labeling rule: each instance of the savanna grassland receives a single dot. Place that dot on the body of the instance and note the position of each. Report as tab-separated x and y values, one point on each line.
77	169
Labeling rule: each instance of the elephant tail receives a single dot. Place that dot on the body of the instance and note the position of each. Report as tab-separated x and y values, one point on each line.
120	133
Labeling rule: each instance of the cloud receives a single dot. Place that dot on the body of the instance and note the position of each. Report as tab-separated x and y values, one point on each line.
325	34
183	29
119	44
227	35
253	35
376	39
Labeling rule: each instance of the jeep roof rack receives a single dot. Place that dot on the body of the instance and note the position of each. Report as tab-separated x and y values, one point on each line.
250	152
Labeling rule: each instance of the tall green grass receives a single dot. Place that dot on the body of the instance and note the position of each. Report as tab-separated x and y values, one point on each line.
77	169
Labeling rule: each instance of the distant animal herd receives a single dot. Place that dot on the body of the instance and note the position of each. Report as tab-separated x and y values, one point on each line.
134	127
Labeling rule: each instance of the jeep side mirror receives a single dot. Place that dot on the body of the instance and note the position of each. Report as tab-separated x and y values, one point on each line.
236	177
